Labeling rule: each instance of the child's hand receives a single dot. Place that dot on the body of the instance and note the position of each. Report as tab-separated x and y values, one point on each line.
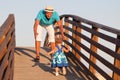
48	53
51	52
68	47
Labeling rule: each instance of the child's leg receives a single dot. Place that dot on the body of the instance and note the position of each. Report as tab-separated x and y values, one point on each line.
64	70
56	71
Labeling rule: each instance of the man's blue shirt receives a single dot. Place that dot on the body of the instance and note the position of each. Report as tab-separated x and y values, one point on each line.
44	21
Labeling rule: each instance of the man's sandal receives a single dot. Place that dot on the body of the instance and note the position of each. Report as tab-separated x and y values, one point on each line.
37	59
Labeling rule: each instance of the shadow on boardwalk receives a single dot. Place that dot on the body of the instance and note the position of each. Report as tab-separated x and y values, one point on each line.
39	70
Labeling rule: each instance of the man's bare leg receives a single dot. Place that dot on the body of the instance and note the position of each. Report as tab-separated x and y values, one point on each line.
37	46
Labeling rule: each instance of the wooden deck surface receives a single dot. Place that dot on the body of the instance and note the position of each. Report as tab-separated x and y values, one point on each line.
25	68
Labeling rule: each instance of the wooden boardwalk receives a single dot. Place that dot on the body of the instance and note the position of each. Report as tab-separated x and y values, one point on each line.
26	69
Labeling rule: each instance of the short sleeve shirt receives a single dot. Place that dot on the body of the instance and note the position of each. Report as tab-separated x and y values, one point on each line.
46	22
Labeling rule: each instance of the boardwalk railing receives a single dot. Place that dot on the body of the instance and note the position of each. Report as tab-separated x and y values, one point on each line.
95	48
7	45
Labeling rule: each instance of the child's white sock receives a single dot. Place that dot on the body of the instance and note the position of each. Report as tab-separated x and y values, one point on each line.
56	74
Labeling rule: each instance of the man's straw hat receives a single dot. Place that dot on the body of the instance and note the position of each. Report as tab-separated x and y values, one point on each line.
49	9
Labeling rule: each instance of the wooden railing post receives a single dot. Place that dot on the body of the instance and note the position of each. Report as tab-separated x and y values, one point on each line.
74	36
117	62
66	31
78	29
94	49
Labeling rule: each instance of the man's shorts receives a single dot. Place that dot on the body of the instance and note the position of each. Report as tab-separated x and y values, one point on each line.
49	29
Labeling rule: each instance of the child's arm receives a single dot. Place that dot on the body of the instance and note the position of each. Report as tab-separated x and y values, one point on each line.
67	49
51	52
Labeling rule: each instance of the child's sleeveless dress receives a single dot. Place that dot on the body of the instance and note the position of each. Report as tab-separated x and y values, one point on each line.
59	59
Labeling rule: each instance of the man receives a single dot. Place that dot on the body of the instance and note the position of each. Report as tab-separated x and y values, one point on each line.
46	19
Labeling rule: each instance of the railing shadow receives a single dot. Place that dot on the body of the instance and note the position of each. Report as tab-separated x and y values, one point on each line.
71	75
25	52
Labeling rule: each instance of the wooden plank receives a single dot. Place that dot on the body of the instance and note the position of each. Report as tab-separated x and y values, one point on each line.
6	72
3	45
12	72
78	38
3	53
5	60
3	66
66	31
94	49
12	63
117	62
74	36
2	39
9	21
6	40
9	68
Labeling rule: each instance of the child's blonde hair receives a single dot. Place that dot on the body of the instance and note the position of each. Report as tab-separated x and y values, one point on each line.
58	40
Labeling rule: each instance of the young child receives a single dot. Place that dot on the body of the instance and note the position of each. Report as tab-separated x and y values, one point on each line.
59	58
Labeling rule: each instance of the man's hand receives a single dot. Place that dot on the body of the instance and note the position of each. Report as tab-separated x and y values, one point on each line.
35	34
63	37
61	29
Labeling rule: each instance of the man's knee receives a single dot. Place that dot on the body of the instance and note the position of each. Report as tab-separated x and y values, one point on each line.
37	43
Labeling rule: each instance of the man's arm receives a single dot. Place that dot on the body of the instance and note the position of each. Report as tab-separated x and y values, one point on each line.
35	27
61	28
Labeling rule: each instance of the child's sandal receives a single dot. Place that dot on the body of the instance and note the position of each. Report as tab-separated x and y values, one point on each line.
64	72
56	74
